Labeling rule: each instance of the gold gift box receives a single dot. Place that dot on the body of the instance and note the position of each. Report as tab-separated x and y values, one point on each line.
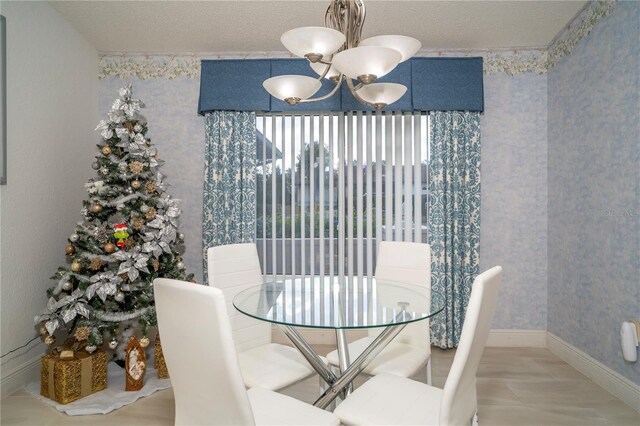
158	360
67	380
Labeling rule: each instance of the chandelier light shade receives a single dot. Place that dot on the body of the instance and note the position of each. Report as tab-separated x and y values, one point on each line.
311	41
336	52
382	93
292	88
407	46
371	61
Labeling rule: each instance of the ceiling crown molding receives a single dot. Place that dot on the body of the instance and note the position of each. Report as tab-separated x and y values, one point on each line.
519	62
149	67
577	29
508	61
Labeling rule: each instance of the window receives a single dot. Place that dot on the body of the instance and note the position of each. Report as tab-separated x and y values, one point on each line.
331	186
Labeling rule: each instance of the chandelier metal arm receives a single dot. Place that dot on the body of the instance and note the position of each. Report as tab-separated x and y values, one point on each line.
328	95
326	70
352	89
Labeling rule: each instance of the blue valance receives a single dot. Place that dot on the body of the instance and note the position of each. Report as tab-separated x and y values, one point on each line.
434	84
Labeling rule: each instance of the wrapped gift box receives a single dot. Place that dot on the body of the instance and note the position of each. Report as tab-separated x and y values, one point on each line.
67	380
158	360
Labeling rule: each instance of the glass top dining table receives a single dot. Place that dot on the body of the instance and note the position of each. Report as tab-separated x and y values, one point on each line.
339	303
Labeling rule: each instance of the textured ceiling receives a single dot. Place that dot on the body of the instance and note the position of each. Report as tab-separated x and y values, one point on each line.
254	26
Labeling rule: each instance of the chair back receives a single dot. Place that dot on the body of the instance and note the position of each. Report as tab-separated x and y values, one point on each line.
406	263
202	362
459	400
233	268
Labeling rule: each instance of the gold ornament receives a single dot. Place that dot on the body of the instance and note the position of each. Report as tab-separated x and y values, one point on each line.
96	208
42	330
150	214
136	167
49	340
106	150
144	342
96	264
136	184
109	248
137	223
156	265
76	266
151	186
82	333
69	249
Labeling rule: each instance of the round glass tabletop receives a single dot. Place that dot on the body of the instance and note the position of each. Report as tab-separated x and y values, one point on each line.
338	303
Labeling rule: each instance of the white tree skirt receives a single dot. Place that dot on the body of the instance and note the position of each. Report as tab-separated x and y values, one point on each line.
112	398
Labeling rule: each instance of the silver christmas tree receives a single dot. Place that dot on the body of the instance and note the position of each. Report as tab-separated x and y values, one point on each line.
128	236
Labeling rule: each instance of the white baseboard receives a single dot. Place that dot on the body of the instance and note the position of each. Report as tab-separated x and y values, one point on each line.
610	380
508	338
20	376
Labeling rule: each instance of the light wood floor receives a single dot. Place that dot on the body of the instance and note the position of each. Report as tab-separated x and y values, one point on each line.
516	386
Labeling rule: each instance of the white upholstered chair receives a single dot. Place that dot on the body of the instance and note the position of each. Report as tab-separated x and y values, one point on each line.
408	263
207	384
236	267
391	400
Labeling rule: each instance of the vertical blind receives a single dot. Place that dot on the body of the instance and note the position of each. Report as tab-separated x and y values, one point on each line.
330	186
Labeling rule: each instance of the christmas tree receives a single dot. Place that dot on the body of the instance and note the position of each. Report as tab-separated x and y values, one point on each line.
128	236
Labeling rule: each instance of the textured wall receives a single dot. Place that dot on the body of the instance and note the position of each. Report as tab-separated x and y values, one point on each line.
52	96
594	189
513	230
178	133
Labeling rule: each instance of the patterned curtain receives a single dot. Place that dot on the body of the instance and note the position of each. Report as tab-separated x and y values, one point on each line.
230	179
454	217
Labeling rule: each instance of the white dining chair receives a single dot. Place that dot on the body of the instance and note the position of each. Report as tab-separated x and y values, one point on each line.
236	267
201	358
391	400
405	263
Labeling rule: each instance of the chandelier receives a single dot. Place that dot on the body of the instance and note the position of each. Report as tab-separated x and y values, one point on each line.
336	52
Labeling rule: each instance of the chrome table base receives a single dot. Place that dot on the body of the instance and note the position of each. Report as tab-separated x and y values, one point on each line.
340	385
